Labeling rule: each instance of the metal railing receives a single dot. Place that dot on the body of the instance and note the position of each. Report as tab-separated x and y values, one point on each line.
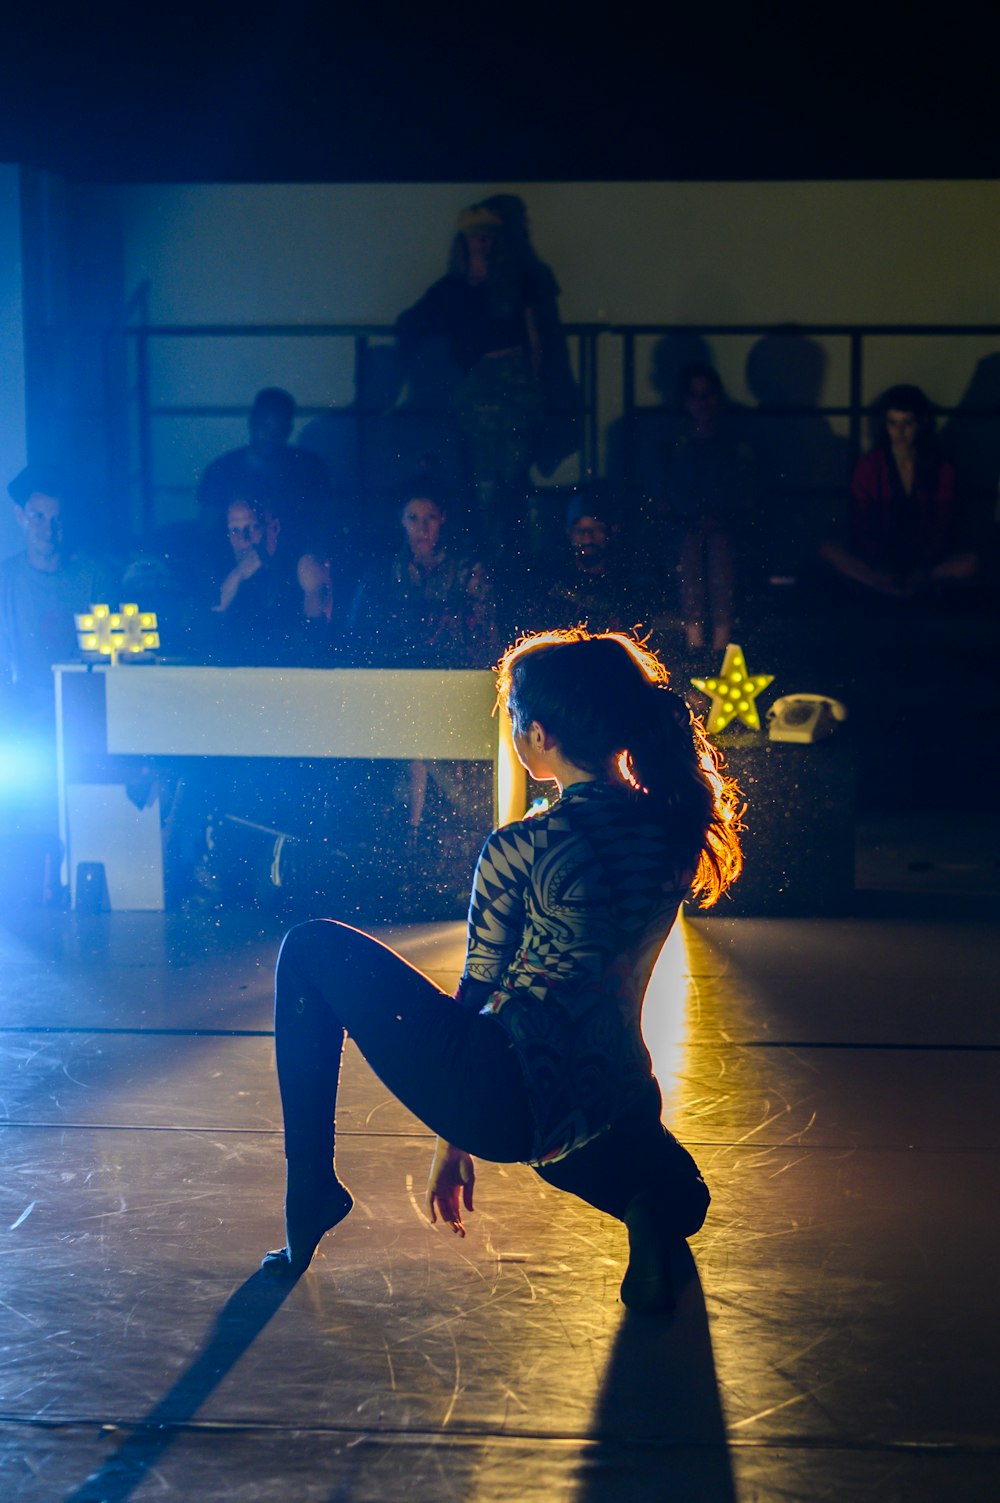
585	340
361	413
856	409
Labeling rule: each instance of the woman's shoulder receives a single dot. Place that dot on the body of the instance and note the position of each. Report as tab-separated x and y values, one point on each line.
507	855
945	474
871	469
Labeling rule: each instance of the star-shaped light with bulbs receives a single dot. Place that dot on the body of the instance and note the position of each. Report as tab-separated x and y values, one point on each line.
733	692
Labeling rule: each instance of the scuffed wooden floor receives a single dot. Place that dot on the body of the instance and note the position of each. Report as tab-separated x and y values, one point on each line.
838	1081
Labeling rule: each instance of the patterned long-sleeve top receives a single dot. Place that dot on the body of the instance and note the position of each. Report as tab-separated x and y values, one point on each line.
569	911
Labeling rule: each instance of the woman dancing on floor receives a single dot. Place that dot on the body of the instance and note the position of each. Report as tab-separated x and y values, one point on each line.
539	1057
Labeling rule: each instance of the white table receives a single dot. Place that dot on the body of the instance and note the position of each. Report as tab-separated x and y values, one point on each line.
104	714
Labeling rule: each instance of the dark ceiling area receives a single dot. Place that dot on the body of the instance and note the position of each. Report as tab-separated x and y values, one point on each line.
309	92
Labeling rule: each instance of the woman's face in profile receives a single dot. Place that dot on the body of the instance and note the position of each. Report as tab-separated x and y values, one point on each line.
422	523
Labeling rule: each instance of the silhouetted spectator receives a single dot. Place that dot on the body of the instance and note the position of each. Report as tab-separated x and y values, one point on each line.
292	482
40	590
559	434
590	585
805	463
486	310
971	439
905	533
427	606
708	489
636	443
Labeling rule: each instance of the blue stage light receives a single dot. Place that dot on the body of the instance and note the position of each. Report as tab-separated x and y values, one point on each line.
25	767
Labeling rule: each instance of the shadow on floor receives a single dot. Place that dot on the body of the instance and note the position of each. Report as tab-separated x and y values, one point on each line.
658	1430
239	1323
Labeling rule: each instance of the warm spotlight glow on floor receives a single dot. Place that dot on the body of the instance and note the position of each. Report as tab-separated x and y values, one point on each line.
664	1017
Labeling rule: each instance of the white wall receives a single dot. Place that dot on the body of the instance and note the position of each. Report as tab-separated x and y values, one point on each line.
907	252
628	252
12	408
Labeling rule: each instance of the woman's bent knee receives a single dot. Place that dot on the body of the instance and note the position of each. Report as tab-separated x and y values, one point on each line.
316	938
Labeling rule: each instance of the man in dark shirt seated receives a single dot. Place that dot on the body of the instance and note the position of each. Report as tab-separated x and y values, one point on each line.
292	482
257	616
589	584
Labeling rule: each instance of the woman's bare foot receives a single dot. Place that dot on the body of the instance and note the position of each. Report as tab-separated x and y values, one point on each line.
648	1286
310	1212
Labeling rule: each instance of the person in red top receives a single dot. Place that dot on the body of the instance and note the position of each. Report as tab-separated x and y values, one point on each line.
904	512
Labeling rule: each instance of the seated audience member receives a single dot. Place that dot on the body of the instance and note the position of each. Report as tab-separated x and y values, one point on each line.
707	490
258	612
41	588
428	606
292	482
485	308
904	523
589	584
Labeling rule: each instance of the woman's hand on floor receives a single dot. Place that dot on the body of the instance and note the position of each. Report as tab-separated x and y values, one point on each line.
450	1186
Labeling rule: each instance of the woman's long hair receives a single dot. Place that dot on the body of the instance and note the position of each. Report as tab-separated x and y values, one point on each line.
605	699
503	285
905	399
910	399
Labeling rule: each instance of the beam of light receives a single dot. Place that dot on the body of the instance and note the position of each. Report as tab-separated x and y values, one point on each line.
25	767
511	778
665	1015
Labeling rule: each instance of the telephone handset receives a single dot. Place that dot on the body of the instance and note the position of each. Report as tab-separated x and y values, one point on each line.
803	717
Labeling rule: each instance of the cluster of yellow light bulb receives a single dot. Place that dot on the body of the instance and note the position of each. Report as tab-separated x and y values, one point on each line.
102	632
733	692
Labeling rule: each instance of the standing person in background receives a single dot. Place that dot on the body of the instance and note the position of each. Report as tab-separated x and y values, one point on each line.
486	310
559	435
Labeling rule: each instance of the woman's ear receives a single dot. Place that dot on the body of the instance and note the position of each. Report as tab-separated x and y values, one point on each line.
539	738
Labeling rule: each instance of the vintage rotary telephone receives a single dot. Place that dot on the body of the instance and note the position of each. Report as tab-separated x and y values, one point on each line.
803	717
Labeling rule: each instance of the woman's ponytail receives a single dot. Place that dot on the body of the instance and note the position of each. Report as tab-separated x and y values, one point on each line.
605	699
671	758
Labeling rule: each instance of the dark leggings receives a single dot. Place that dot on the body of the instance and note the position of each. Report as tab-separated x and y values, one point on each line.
451	1067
